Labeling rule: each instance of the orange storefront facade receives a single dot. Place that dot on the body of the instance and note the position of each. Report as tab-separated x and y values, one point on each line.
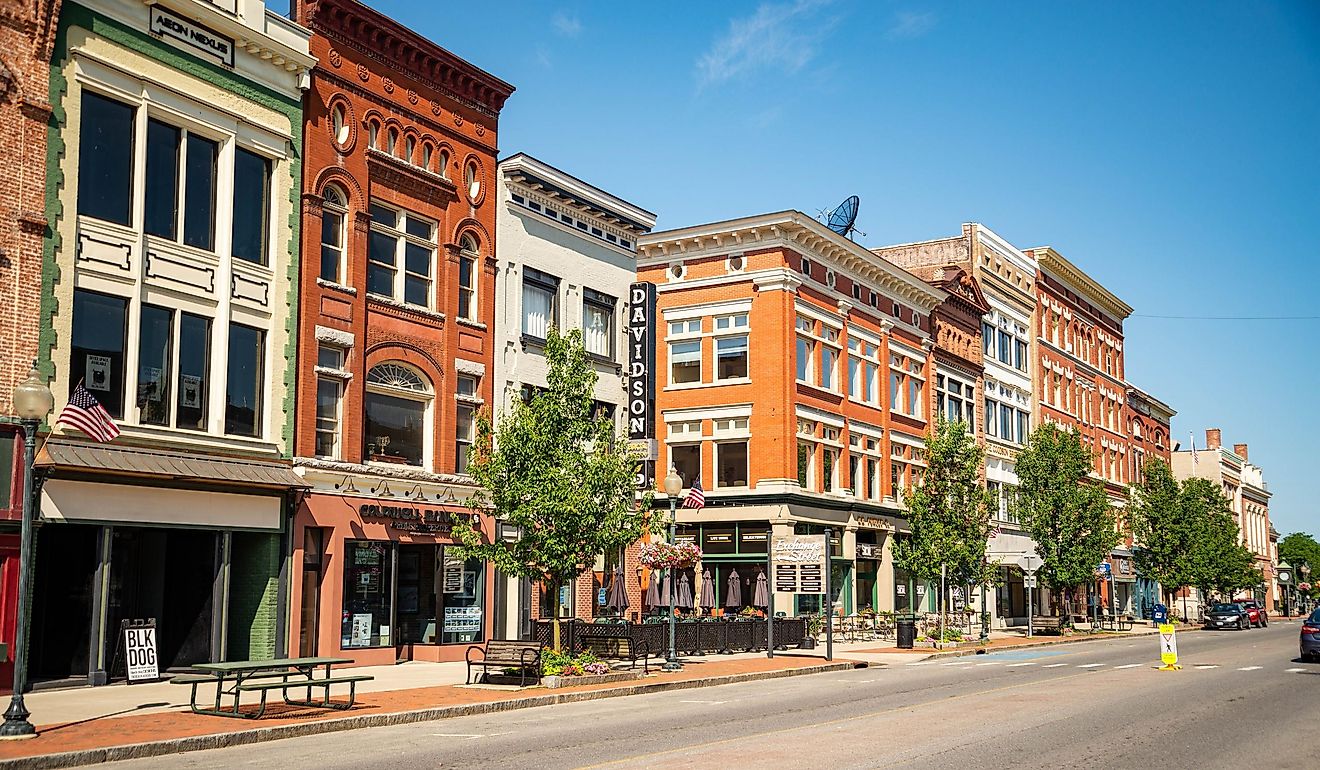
395	354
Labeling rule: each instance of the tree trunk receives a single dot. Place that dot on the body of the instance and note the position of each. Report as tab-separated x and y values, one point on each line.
554	622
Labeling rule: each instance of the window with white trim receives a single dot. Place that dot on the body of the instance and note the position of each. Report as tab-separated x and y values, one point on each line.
955	399
467	278
397	407
400	255
685	352
731	463
598	323
540	303
731	352
863	371
906	385
334	212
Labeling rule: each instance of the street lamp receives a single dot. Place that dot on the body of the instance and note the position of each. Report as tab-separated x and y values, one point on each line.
673	486
32	402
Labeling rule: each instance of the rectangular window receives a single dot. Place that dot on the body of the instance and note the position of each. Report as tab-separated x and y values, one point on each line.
154	365
804	457
686	459
872	478
987	338
830	469
390	246
914	397
161	214
598	323
330	357
1005	347
105	160
806	349
467	386
1023	427
251	206
332	244
199	192
464	435
394	429
467	288
1006	422
829	358
194	371
539	306
685	362
991	418
896	383
731	464
1020	355
97	358
327	417
368	591
245	381
728	322
731	357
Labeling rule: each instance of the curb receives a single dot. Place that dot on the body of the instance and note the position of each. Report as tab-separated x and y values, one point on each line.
263	734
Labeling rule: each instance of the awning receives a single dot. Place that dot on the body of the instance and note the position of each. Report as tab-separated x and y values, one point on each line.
1119	551
62	454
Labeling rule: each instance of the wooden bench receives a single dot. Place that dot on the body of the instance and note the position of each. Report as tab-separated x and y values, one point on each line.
1046	623
507	653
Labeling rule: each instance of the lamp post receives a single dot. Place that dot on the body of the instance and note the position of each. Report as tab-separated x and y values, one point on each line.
32	402
673	486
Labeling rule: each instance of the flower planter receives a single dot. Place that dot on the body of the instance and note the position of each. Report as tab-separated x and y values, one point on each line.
555	682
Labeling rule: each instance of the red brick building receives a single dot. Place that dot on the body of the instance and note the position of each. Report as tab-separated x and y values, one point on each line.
27	34
395	338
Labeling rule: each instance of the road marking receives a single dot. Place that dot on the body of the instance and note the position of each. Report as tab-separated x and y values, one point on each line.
1016	665
960	663
990	663
1208	666
920	663
465	736
1091	665
1249	668
1295	670
712	702
1130	665
1054	665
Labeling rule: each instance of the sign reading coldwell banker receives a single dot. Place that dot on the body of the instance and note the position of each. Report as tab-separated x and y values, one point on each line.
641	371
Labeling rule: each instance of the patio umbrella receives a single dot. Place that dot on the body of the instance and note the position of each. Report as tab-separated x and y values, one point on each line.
707	591
684	599
618	596
733	597
653	598
761	596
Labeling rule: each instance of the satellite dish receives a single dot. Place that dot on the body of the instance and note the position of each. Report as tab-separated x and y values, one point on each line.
843	219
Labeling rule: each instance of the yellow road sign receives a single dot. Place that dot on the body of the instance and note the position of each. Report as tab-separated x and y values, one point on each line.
1168	648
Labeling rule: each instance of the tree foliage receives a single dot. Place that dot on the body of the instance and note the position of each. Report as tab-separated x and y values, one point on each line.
1165	533
949	511
556	469
1219	561
1066	513
1300	549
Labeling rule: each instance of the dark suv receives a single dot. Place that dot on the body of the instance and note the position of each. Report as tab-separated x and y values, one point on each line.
1309	644
1255	612
1228	615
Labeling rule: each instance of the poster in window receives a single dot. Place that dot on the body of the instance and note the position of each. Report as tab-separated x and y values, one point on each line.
98	373
453	576
152	389
408	598
361	633
191	394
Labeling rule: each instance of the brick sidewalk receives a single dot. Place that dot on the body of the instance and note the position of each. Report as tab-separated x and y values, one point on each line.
111	738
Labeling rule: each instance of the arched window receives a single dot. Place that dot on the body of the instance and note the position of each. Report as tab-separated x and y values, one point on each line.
391	140
444	164
334	211
373	134
339	124
409	149
396	423
427	150
467	278
472	179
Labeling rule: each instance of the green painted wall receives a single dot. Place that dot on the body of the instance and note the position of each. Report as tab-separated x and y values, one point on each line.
253	585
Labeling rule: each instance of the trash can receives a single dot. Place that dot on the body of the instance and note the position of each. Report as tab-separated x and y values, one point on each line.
907	633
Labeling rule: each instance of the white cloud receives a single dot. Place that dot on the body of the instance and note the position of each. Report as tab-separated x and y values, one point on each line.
910	24
781	36
568	26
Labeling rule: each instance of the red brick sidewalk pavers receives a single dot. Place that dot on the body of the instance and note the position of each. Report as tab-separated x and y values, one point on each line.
106	732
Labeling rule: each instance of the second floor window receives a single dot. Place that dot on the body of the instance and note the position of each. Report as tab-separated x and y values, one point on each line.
246	381
598	323
401	255
180	189
540	293
467	279
334	210
397	405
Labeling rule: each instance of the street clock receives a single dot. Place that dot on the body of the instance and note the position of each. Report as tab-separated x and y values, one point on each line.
1284	575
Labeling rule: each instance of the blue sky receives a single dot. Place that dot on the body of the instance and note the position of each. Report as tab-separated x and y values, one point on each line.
1169	149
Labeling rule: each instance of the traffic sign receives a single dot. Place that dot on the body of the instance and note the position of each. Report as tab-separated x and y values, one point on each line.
1168	648
1029	581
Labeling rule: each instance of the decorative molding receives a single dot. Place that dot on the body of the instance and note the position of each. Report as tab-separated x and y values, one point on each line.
167	268
253	289
464	366
334	336
104	256
324	284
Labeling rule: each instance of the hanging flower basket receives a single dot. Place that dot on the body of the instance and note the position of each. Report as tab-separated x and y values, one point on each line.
668	555
1304	586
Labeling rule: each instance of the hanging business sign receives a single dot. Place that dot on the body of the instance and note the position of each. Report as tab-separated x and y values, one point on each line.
140	652
170	25
641	372
798	563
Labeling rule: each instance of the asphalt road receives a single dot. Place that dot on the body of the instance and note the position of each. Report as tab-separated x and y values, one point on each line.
1241	700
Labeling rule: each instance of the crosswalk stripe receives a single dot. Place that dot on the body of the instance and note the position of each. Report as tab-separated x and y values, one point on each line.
990	663
921	663
1130	665
1295	670
1017	665
1205	667
1054	665
1249	668
1090	665
959	663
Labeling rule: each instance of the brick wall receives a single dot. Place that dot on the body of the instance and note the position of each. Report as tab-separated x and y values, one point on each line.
26	35
253	580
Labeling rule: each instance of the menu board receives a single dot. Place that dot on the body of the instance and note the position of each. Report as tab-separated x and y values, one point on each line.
798	564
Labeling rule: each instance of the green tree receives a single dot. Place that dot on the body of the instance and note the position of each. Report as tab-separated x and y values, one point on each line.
555	468
1066	513
1164	533
1220	563
948	513
1300	549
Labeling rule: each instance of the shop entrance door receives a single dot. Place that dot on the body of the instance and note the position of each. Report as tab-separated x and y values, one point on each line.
167	574
62	602
416	598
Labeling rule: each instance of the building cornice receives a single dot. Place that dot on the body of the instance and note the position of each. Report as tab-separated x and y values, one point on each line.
537	175
379	37
1054	262
257	42
1159	410
793	230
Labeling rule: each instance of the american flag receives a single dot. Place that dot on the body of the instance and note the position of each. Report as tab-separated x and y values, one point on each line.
696	496
86	414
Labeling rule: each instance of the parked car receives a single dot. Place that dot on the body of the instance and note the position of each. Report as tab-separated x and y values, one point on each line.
1259	619
1228	615
1309	645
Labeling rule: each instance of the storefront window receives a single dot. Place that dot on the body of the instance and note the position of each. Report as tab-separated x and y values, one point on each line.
463	586
368	577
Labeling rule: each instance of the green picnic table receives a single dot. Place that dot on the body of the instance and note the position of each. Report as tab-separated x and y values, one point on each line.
233	678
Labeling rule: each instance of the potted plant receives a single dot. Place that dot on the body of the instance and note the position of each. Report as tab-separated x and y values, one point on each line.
669	555
815	623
